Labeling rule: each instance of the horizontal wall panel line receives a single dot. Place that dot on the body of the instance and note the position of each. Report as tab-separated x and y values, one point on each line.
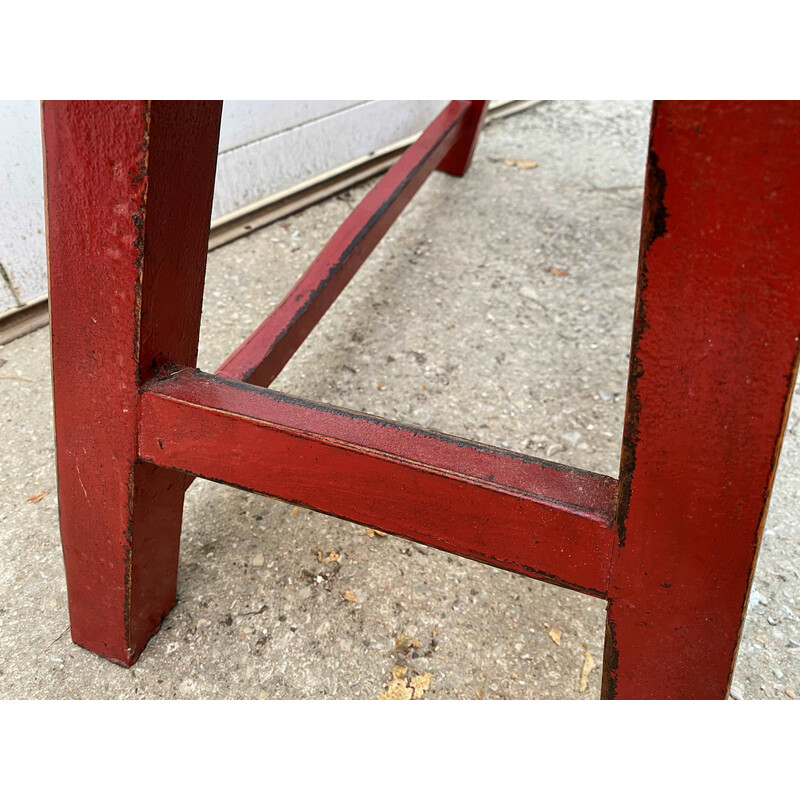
328	115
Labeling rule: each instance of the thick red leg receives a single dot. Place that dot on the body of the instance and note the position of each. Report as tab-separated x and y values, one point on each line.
457	161
713	364
129	188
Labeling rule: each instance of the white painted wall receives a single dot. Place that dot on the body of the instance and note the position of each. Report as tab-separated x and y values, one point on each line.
22	243
246	121
265	147
286	156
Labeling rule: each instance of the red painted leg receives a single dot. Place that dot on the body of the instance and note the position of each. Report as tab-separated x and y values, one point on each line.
457	161
129	188
713	363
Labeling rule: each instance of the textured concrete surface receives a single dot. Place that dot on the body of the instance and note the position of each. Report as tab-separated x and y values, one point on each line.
498	308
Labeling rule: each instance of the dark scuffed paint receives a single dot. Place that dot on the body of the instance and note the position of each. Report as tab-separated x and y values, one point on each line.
654	226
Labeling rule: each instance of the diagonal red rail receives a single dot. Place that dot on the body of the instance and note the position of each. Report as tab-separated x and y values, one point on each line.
264	354
529	516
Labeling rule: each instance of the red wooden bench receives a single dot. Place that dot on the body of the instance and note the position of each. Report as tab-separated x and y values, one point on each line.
671	543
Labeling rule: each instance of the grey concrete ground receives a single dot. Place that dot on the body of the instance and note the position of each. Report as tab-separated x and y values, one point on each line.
498	308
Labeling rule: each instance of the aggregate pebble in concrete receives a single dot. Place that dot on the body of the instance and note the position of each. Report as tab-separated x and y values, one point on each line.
497	308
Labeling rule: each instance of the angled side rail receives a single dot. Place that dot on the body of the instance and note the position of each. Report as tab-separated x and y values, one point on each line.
447	143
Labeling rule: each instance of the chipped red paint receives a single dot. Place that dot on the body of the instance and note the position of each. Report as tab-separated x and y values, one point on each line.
714	357
713	363
128	211
263	355
513	511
